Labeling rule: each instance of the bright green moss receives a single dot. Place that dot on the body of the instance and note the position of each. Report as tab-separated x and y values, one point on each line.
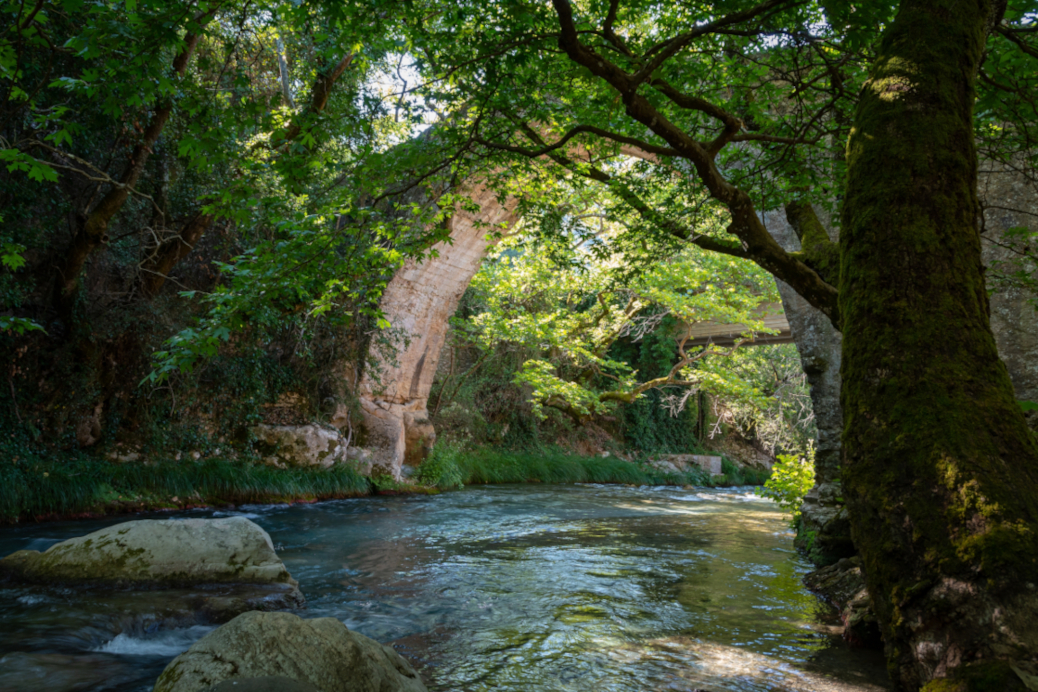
989	676
941	472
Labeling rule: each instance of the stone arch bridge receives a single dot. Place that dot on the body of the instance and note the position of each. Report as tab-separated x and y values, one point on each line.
420	299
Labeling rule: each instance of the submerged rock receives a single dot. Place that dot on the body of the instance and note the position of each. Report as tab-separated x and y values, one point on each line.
36	672
200	604
843	586
157	553
321	652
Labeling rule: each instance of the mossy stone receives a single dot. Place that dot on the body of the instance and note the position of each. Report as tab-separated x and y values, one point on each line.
164	552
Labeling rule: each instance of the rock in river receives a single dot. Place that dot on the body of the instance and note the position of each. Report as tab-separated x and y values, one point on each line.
320	652
843	586
161	553
266	683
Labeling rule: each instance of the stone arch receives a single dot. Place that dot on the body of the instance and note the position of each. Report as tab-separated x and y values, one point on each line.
421	297
419	300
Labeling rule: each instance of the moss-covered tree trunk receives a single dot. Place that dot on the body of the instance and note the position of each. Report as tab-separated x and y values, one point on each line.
940	470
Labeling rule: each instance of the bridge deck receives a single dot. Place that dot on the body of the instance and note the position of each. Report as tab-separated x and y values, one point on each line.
705	333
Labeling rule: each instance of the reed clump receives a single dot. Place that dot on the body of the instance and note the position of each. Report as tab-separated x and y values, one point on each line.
83	484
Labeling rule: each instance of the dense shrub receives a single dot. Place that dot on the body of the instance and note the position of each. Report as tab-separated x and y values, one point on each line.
791	478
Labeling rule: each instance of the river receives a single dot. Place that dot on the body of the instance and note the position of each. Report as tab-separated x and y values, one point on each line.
531	588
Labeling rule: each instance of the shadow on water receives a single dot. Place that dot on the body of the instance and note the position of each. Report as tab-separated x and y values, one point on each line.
493	588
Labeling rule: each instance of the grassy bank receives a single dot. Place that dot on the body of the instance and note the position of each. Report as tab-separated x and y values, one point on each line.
83	485
450	466
80	485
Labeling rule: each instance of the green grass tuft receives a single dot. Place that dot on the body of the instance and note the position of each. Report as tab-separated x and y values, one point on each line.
488	465
735	475
442	469
81	484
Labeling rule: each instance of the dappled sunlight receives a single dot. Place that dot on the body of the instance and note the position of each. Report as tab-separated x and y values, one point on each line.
566	588
693	664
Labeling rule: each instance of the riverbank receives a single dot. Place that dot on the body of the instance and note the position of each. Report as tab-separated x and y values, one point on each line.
450	467
635	588
82	486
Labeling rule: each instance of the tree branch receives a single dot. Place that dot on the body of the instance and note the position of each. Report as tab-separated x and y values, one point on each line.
581	129
666	50
319	96
1011	35
746	224
167	255
93	229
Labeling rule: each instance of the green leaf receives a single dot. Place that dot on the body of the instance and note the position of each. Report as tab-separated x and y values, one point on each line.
19	325
20	161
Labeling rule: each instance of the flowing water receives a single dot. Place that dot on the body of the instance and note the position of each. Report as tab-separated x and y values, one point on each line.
531	588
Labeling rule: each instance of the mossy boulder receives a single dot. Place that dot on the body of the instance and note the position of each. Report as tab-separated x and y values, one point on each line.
288	446
266	683
157	553
322	652
843	586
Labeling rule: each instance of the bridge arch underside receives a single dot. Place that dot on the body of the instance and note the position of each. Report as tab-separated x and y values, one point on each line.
421	298
771	315
419	301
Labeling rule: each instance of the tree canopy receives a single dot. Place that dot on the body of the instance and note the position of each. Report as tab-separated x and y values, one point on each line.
286	136
281	116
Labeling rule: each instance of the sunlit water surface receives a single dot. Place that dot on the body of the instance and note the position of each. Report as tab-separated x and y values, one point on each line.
531	588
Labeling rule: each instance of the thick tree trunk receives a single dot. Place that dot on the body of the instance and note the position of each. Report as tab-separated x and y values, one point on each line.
940	469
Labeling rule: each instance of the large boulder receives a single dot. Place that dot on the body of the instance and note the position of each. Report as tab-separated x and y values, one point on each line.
321	652
266	683
300	445
157	553
842	585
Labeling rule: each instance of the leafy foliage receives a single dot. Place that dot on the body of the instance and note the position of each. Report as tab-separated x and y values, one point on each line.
735	475
648	424
780	416
580	333
791	478
442	468
573	313
189	186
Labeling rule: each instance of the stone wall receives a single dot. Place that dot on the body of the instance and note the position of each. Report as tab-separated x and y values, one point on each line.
1010	201
819	345
418	302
